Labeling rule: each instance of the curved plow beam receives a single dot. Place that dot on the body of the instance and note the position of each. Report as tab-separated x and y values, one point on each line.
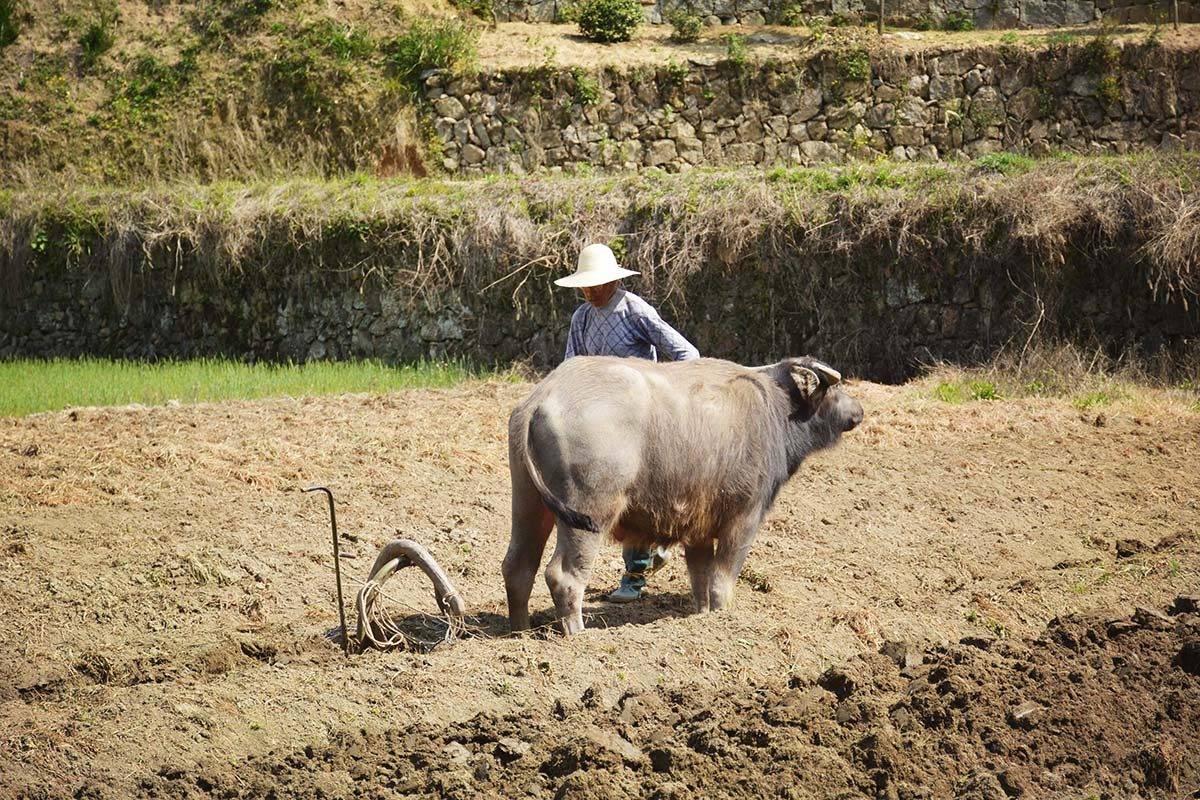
373	627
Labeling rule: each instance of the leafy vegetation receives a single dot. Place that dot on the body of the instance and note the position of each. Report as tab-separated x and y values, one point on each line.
99	35
446	44
958	21
610	21
30	386
10	22
685	26
1005	163
736	51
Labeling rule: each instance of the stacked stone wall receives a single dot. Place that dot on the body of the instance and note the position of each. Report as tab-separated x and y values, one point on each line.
1086	98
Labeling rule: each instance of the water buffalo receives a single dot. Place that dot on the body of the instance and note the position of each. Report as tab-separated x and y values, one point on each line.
689	452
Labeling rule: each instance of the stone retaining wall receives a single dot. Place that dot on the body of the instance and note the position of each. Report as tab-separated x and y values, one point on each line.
980	13
869	317
1094	98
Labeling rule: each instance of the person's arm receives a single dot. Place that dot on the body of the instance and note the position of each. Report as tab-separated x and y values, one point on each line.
669	341
575	334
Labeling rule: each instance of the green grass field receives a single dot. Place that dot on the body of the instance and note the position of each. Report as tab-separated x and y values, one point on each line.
29	386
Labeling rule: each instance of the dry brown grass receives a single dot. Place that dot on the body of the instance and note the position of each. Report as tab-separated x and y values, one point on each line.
1140	212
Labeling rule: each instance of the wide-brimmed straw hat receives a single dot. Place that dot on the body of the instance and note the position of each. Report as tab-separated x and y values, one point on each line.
597	265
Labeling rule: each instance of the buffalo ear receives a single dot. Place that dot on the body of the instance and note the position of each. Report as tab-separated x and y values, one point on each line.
807	381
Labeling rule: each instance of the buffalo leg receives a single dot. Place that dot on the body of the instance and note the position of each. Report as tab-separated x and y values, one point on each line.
731	554
568	572
699	560
531	524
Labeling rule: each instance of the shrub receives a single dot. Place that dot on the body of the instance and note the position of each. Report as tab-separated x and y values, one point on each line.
98	37
610	20
958	21
10	22
429	44
567	13
587	88
686	26
735	50
791	15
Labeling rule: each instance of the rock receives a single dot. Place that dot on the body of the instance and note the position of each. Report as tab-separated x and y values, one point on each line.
881	115
1025	104
972	81
908	136
1127	548
457	753
942	88
1025	716
613	743
819	151
509	750
753	18
448	106
472	154
1188	658
987	107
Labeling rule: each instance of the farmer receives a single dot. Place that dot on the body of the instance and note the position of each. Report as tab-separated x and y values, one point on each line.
614	322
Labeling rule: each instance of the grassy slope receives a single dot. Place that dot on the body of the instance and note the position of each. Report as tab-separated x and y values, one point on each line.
205	89
657	220
201	87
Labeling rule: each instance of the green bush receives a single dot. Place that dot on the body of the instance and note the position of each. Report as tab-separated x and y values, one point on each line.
567	13
736	51
686	26
428	44
10	22
958	21
98	37
610	20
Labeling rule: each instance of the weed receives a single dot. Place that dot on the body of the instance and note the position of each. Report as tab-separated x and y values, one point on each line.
958	21
567	13
10	22
841	20
587	88
484	9
949	392
736	51
1174	568
443	44
1010	38
99	36
1101	58
853	64
982	390
609	21
1092	400
674	74
1005	163
792	15
685	26
1061	38
960	392
925	22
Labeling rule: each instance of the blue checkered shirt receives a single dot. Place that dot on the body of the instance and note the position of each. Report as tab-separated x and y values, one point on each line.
629	327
